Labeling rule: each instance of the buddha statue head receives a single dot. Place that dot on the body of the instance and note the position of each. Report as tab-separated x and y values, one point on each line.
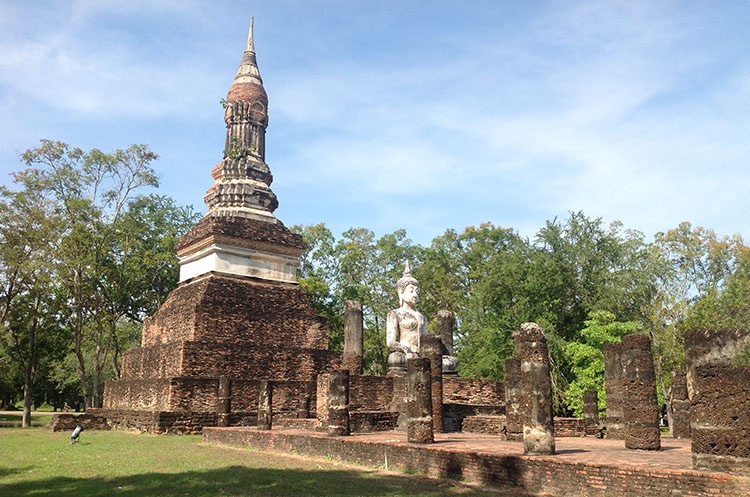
408	288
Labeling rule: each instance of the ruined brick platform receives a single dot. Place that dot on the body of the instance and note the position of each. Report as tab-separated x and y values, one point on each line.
582	466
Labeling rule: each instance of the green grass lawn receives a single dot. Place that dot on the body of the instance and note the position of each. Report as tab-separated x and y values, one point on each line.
15	419
37	462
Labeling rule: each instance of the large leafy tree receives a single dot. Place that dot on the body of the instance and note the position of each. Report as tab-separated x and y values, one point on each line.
114	256
691	266
586	359
317	276
28	230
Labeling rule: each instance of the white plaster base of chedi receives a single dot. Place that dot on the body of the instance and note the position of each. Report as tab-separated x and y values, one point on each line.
241	262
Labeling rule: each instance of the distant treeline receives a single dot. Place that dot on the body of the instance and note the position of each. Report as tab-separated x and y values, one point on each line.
85	256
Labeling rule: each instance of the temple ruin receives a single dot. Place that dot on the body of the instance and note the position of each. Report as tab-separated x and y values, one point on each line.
238	353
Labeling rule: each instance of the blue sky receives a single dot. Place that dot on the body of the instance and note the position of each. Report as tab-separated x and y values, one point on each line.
415	115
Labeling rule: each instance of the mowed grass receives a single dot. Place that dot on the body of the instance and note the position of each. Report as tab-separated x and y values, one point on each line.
17	418
38	462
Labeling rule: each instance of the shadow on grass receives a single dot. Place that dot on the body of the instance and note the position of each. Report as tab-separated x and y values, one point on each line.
236	480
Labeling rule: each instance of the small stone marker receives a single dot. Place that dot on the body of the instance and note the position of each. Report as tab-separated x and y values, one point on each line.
338	403
265	403
223	407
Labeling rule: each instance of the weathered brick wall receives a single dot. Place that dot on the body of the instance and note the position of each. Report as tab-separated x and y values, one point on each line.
369	421
235	310
370	393
454	414
149	421
720	400
137	394
571	427
200	394
175	320
535	475
491	425
193	394
158	361
496	425
473	391
258	360
65	421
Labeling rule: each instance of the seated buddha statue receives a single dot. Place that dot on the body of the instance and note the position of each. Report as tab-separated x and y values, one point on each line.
405	324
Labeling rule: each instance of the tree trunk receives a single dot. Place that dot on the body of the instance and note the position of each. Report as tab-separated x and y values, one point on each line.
115	349
27	395
78	332
28	380
95	389
667	394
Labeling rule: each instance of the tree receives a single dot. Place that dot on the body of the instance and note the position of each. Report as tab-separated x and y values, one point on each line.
690	268
586	359
106	253
317	275
369	270
28	230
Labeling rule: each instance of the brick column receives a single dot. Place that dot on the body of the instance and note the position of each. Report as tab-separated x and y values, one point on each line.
265	401
444	328
719	400
431	348
419	401
337	406
680	406
223	405
613	391
513	415
353	336
591	411
640	411
536	391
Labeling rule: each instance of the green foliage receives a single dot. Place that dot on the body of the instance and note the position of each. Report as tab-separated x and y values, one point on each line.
109	257
585	358
316	273
237	151
743	358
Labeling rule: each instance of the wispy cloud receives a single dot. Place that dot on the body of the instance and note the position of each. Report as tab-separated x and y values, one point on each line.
629	110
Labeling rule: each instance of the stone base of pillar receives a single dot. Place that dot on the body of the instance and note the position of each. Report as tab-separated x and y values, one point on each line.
643	437
419	430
